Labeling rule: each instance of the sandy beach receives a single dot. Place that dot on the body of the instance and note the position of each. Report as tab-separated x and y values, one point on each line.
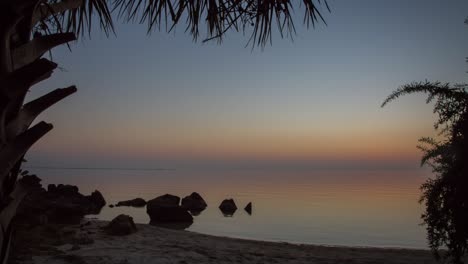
87	243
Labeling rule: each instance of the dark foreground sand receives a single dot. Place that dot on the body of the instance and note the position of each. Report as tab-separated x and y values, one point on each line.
89	244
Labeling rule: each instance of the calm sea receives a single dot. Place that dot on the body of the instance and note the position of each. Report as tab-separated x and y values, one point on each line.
376	208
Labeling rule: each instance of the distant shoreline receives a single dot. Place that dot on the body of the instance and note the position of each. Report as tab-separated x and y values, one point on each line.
98	168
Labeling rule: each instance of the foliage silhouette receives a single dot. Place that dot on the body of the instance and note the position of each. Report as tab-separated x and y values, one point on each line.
30	28
219	16
445	196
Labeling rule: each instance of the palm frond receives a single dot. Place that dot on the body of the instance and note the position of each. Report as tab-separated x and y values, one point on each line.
434	89
219	16
75	16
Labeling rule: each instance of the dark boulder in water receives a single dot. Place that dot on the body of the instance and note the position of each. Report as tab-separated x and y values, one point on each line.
120	226
194	203
97	201
167	200
166	209
228	207
170	215
248	208
137	202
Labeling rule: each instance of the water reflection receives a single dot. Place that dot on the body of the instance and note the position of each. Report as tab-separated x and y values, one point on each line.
357	207
228	214
228	207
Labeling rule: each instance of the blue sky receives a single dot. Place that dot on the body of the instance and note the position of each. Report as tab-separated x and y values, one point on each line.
163	100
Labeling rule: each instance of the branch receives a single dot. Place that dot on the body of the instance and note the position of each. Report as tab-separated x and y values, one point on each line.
32	109
7	214
34	49
13	89
14	151
7	25
45	11
19	81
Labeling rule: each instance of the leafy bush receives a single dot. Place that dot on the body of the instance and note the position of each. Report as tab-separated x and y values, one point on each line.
445	195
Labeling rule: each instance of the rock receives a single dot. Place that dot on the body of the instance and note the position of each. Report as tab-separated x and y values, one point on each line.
248	208
194	203
111	205
31	181
166	200
66	213
137	202
121	225
66	190
166	209
60	204
97	201
170	215
228	207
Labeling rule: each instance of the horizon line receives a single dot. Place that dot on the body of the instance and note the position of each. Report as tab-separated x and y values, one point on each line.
98	168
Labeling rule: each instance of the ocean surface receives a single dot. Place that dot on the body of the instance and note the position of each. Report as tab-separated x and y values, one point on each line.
377	208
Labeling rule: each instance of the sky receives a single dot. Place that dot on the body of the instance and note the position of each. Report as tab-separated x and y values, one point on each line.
162	100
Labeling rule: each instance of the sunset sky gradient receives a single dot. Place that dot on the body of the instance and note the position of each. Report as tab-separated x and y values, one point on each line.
165	101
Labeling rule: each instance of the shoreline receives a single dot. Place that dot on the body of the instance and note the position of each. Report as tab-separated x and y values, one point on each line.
300	243
87	243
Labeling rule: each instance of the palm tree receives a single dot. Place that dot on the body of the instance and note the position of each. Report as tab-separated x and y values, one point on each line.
446	195
30	28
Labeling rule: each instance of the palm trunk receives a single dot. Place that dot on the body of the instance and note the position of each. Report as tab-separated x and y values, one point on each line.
21	67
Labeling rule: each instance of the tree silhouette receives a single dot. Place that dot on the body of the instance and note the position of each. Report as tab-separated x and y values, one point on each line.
30	28
445	196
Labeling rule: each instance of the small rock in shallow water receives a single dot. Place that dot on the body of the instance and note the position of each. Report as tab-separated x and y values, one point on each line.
137	202
248	208
228	207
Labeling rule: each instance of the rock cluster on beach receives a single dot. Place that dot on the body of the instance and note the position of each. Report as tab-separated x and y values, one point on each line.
60	203
64	204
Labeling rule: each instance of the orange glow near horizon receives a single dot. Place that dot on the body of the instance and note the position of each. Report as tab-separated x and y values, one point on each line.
367	143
